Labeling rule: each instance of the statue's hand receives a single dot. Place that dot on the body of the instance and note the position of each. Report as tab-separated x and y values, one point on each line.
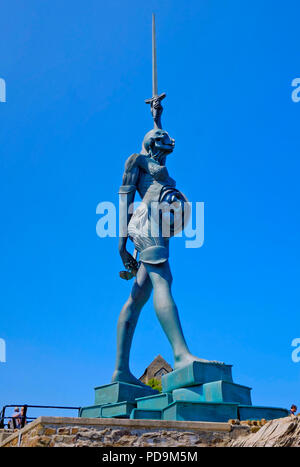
128	260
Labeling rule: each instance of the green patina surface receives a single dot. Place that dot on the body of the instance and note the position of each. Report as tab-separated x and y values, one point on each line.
140	414
194	374
216	391
119	392
251	412
190	394
157	402
204	411
119	410
92	411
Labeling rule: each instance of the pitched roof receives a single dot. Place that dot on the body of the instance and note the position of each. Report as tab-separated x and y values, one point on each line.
159	363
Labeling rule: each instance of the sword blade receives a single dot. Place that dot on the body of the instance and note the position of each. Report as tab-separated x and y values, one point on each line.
154	61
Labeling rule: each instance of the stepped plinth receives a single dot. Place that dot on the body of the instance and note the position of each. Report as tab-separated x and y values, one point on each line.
197	392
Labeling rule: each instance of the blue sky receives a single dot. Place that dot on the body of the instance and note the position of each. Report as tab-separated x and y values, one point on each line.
77	74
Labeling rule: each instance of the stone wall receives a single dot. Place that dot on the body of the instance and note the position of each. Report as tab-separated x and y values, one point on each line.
69	432
282	432
5	433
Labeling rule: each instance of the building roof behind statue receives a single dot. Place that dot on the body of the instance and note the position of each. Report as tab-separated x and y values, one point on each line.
156	369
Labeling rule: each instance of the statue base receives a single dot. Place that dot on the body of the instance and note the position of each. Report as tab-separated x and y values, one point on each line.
116	400
197	392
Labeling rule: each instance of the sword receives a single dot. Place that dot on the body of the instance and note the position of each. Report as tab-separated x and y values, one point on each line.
156	110
155	100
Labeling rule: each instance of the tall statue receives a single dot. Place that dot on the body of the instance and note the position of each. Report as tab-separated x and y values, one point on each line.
163	212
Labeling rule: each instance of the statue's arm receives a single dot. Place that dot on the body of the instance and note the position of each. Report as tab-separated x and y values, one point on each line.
127	194
133	166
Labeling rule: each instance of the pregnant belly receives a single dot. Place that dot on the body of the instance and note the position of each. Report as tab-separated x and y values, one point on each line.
175	210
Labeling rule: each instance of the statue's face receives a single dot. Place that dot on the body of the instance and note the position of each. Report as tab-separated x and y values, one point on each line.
163	142
158	142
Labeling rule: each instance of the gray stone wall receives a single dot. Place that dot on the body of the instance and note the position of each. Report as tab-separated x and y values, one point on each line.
69	432
282	432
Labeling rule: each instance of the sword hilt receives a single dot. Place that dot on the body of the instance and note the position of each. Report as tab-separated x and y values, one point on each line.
127	275
156	109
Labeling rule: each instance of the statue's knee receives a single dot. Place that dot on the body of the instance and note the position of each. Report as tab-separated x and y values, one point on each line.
125	318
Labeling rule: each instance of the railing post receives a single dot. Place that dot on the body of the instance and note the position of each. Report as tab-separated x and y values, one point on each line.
2	419
23	420
14	424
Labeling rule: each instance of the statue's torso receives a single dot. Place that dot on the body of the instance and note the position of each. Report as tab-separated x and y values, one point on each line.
145	228
150	189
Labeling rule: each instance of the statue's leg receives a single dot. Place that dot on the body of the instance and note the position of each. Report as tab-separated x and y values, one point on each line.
127	322
167	313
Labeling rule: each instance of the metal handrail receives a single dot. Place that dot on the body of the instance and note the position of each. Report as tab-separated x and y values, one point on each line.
24	416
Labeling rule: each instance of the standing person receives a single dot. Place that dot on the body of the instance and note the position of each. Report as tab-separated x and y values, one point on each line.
293	410
16	418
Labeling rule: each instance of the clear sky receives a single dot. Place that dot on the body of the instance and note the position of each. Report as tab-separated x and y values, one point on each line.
77	73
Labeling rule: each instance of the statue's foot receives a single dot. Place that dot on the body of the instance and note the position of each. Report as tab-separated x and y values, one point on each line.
122	376
187	358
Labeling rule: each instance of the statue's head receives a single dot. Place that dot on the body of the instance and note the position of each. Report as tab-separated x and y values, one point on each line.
158	143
